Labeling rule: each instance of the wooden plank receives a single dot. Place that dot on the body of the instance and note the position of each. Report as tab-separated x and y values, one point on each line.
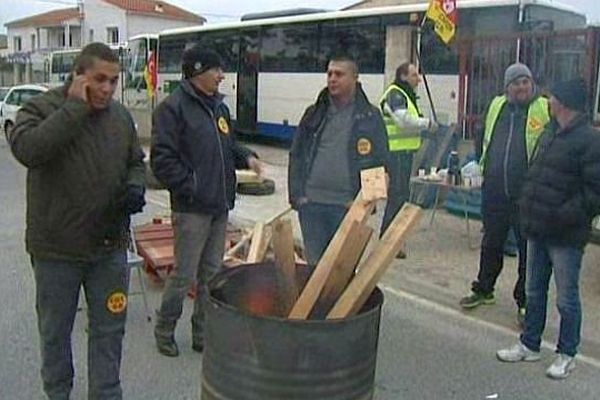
238	246
154	235
277	216
155	243
343	270
231	262
371	270
359	212
299	260
259	244
283	247
373	183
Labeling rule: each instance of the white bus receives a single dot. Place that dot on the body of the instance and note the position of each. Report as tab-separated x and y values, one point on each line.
275	66
61	65
138	51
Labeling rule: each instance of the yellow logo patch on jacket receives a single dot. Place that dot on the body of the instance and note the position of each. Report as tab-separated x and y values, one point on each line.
364	146
535	124
223	126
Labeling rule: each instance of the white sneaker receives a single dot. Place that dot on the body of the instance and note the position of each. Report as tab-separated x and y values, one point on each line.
519	352
561	367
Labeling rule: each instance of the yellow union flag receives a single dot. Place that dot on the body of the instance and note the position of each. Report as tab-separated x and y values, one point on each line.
443	15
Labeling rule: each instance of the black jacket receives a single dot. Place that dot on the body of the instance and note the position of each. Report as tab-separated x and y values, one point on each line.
194	152
368	126
562	191
79	165
506	162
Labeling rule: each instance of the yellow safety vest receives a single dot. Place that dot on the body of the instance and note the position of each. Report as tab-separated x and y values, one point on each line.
537	118
399	141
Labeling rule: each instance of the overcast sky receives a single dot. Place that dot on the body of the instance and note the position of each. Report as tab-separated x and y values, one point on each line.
219	10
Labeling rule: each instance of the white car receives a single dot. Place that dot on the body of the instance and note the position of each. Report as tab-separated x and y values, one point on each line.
14	100
3	92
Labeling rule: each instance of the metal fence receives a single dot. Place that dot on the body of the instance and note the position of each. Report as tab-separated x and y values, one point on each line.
551	56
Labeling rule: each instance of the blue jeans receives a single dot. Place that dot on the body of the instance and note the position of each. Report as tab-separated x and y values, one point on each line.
542	258
105	280
319	222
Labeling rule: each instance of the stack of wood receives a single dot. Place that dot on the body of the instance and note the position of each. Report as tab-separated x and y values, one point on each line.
341	283
154	242
254	245
343	279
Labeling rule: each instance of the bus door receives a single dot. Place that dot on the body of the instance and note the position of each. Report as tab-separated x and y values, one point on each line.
247	81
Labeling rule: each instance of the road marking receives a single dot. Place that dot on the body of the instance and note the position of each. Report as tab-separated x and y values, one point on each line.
490	325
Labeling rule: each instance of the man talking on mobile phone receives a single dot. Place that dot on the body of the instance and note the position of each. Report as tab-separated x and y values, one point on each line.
85	177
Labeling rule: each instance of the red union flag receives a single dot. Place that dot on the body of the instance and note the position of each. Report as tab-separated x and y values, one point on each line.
150	74
444	15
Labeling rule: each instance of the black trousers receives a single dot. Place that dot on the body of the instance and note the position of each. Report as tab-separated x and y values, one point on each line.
499	214
400	168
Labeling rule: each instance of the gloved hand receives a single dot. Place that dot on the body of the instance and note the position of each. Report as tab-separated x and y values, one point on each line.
135	199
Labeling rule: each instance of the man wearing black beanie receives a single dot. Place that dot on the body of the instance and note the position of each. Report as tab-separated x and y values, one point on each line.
560	197
194	154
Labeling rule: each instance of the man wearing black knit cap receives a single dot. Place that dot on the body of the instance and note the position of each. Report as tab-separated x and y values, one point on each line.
513	123
194	154
560	197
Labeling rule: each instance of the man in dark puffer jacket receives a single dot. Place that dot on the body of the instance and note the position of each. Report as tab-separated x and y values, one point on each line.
560	197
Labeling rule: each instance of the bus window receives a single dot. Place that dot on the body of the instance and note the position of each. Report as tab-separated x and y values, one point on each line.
289	49
437	57
536	15
226	44
136	63
362	38
61	65
486	21
247	81
171	49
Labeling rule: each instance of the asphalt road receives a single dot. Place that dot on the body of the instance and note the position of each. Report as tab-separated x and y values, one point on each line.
427	350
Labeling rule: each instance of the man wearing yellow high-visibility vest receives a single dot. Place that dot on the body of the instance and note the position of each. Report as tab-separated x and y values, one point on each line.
404	124
513	123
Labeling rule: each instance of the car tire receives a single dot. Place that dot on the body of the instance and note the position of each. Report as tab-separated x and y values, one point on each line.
266	187
7	128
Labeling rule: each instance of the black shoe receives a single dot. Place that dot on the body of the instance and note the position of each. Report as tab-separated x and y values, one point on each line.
198	347
167	347
476	299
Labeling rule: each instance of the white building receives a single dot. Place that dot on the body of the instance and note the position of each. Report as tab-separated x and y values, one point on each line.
31	39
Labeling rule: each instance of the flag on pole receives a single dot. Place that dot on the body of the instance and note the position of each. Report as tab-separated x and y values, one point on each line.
444	15
150	74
